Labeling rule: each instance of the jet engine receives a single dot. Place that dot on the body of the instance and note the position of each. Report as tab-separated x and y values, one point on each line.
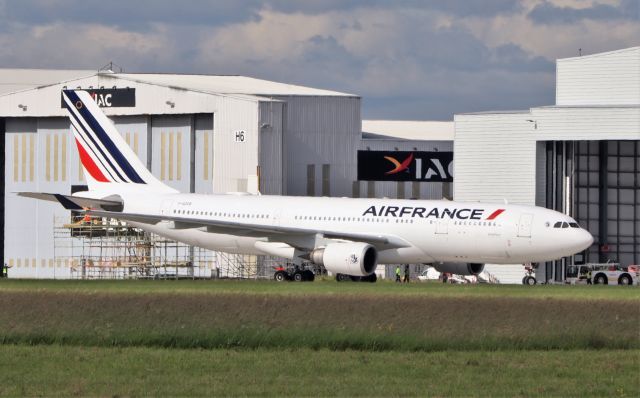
459	268
357	259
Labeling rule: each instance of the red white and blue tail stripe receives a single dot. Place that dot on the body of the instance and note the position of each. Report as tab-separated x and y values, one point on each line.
105	156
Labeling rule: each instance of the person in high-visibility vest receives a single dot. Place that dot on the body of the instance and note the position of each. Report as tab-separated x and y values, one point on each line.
5	270
589	277
398	273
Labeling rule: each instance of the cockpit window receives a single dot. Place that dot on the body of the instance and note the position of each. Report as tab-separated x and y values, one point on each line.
565	225
557	225
574	225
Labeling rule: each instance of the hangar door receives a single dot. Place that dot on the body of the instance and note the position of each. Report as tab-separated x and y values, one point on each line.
171	150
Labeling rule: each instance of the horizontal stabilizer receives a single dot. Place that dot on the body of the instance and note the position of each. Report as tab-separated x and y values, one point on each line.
75	202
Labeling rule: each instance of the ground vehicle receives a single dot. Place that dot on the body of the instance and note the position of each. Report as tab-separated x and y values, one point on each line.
431	274
601	274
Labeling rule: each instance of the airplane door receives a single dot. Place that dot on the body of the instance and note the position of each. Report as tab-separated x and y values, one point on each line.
442	227
524	226
165	207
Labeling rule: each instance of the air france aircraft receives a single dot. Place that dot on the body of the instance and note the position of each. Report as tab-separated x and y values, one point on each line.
346	236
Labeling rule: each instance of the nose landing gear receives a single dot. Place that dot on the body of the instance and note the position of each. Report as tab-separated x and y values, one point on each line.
529	279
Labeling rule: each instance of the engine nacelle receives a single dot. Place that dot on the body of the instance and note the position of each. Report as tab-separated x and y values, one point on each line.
357	259
459	268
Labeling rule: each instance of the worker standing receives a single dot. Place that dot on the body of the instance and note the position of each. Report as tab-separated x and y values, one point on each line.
589	277
398	273
5	270
407	271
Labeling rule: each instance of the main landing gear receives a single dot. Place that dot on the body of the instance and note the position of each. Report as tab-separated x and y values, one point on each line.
296	274
349	278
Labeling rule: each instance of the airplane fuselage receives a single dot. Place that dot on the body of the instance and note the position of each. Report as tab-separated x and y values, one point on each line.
435	231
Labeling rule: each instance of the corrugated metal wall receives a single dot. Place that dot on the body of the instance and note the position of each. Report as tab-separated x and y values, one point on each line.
494	157
587	123
404	190
270	124
611	78
321	131
235	145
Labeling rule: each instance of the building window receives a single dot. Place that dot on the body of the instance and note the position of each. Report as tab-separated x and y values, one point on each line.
326	180
355	189
400	190
311	180
415	190
371	189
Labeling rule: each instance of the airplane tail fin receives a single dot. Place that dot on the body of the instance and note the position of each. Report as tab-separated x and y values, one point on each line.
110	165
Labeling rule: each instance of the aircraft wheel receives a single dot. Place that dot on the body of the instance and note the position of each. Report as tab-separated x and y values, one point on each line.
280	276
343	277
369	278
625	280
530	280
298	276
309	275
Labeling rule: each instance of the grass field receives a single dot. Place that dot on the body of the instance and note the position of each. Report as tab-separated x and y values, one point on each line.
382	288
81	371
322	338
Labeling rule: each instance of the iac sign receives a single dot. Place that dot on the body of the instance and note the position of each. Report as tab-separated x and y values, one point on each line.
103	100
435	168
240	136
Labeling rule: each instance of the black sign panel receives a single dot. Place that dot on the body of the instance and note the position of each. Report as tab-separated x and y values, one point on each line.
405	166
112	97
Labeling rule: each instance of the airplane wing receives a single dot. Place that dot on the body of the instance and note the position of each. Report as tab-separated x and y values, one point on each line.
289	235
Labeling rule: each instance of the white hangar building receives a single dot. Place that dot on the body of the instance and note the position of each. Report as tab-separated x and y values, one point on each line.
580	156
197	133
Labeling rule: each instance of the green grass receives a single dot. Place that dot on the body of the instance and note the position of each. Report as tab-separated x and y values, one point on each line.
338	321
79	371
328	288
325	338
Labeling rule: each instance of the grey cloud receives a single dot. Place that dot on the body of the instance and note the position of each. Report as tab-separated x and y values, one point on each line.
547	13
134	15
139	14
420	71
462	93
453	7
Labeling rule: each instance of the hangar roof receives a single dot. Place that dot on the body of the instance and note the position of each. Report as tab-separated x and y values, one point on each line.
227	84
407	130
12	80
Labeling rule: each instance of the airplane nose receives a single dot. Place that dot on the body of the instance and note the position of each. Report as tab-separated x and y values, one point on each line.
585	239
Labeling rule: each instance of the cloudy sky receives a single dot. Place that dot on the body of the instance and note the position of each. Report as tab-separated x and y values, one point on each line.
413	59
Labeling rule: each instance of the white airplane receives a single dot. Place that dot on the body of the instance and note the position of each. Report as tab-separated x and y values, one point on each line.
347	236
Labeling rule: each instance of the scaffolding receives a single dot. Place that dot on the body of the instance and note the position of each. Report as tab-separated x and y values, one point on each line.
101	248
